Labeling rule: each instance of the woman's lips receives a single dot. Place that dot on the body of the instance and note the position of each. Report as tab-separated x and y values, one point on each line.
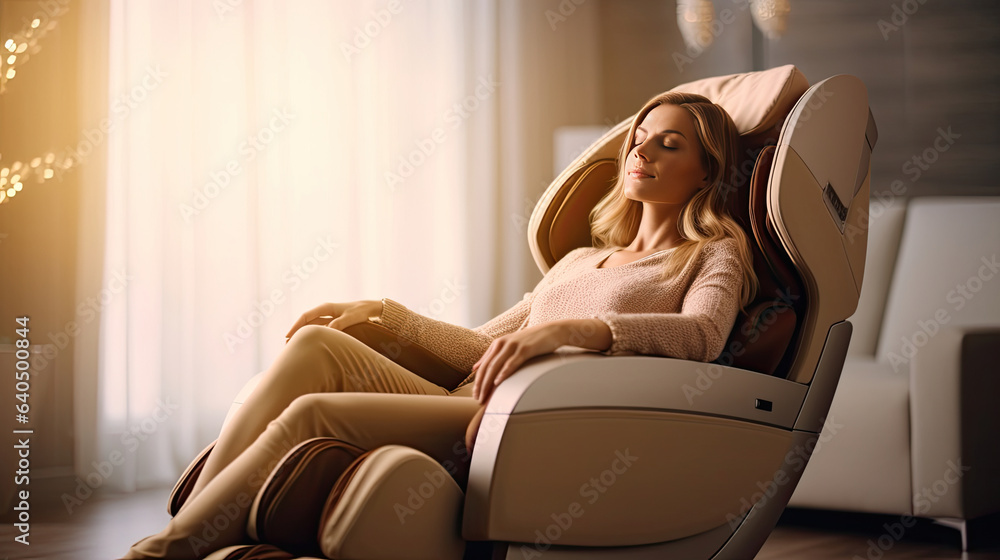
636	174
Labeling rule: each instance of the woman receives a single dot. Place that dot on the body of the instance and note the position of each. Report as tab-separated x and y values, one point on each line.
667	275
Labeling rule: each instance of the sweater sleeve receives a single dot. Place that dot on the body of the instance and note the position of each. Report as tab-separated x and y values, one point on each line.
460	346
455	344
700	330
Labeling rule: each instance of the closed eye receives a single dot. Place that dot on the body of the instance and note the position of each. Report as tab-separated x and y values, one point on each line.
634	146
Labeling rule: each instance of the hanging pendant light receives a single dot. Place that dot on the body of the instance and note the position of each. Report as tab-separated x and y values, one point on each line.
694	18
770	16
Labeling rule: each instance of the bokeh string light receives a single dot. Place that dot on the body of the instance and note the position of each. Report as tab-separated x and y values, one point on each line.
37	170
15	51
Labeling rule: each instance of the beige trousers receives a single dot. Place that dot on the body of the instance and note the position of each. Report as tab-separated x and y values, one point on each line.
324	383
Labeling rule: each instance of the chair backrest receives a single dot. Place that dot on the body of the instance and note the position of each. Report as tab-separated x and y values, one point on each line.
768	336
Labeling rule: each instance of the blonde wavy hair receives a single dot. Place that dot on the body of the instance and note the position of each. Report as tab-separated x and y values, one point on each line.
615	219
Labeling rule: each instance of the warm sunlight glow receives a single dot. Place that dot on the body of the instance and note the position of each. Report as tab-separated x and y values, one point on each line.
48	174
10	45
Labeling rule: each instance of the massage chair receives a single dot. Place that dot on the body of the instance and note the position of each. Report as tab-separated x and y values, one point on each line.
581	455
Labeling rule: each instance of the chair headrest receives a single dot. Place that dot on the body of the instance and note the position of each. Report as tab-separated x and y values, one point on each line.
758	102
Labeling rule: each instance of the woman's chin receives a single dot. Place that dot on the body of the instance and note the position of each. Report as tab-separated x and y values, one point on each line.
640	190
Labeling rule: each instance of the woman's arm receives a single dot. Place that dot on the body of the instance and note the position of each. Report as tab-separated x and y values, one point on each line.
593	334
457	345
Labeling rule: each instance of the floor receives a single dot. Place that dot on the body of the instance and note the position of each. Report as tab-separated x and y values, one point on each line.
105	525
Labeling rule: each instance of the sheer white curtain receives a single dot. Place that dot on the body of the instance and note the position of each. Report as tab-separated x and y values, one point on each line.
264	157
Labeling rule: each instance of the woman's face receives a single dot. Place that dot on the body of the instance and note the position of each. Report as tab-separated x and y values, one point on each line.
664	164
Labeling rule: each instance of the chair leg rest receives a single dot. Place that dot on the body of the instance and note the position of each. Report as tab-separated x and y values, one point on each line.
187	480
399	503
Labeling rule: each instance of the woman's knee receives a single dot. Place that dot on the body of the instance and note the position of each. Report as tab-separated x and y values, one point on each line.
323	340
316	335
302	407
311	346
319	414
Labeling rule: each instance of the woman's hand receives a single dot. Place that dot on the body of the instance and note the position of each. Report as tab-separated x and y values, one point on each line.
343	315
508	352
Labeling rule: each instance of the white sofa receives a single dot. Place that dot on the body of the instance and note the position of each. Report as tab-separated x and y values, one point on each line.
913	427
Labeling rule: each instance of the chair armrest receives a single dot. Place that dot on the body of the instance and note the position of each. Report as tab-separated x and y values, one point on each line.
954	383
564	380
565	418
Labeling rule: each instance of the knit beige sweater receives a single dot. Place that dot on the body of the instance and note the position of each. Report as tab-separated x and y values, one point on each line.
688	316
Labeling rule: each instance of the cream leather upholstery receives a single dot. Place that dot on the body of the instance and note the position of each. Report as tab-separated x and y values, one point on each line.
582	455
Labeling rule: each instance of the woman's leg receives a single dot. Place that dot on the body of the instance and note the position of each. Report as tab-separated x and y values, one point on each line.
217	517
317	359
